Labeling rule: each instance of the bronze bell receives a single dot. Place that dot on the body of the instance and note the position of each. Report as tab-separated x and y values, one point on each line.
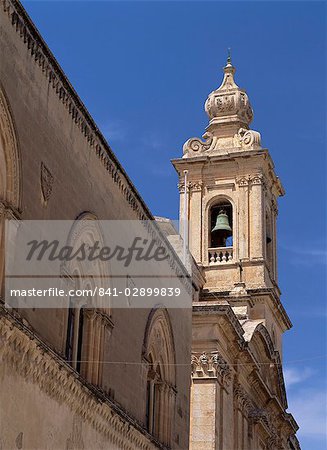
222	224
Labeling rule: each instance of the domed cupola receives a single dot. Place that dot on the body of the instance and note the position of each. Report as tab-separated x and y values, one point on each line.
228	107
230	114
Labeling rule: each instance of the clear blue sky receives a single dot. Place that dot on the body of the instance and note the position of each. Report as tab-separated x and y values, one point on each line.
144	71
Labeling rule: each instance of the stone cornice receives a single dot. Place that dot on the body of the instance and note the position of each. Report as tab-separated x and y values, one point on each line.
277	302
225	295
269	421
192	163
290	419
38	364
209	308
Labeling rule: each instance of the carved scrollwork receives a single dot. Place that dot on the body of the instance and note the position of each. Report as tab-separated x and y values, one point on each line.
259	415
242	181
210	365
225	103
195	186
242	399
267	420
248	139
46	182
229	100
192	186
198	146
253	179
257	179
181	188
274	206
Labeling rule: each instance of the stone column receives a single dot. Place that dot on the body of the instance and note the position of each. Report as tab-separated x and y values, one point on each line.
256	218
96	348
151	407
208	405
220	417
241	241
159	411
88	343
171	414
181	189
165	412
203	432
195	225
101	345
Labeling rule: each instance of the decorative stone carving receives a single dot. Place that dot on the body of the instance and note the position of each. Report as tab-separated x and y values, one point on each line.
229	100
258	415
257	179
247	139
46	182
181	188
195	186
230	114
195	145
274	206
242	181
212	365
242	399
253	179
192	186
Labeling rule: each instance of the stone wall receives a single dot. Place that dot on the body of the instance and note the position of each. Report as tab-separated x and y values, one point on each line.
65	168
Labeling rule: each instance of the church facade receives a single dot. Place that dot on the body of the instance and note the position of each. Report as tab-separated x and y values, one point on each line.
205	377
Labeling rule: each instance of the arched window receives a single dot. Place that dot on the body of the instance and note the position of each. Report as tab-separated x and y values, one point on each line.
154	383
75	328
74	340
220	232
88	321
159	354
10	176
10	164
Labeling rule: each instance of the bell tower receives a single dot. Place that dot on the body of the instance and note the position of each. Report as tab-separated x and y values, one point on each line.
230	200
228	211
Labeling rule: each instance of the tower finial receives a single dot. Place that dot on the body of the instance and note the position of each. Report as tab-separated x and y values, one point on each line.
229	58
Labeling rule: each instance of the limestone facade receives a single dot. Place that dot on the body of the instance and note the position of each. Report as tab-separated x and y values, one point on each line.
55	164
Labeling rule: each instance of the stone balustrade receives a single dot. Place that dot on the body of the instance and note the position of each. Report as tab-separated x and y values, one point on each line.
220	255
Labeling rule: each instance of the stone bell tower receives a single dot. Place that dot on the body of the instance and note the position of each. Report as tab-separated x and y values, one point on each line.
231	178
228	193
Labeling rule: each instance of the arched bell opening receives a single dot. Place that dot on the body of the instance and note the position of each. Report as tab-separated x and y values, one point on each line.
221	232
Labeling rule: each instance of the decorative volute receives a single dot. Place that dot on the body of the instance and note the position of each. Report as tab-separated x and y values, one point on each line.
228	107
230	114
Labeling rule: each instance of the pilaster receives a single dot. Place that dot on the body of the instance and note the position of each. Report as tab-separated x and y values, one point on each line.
256	217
